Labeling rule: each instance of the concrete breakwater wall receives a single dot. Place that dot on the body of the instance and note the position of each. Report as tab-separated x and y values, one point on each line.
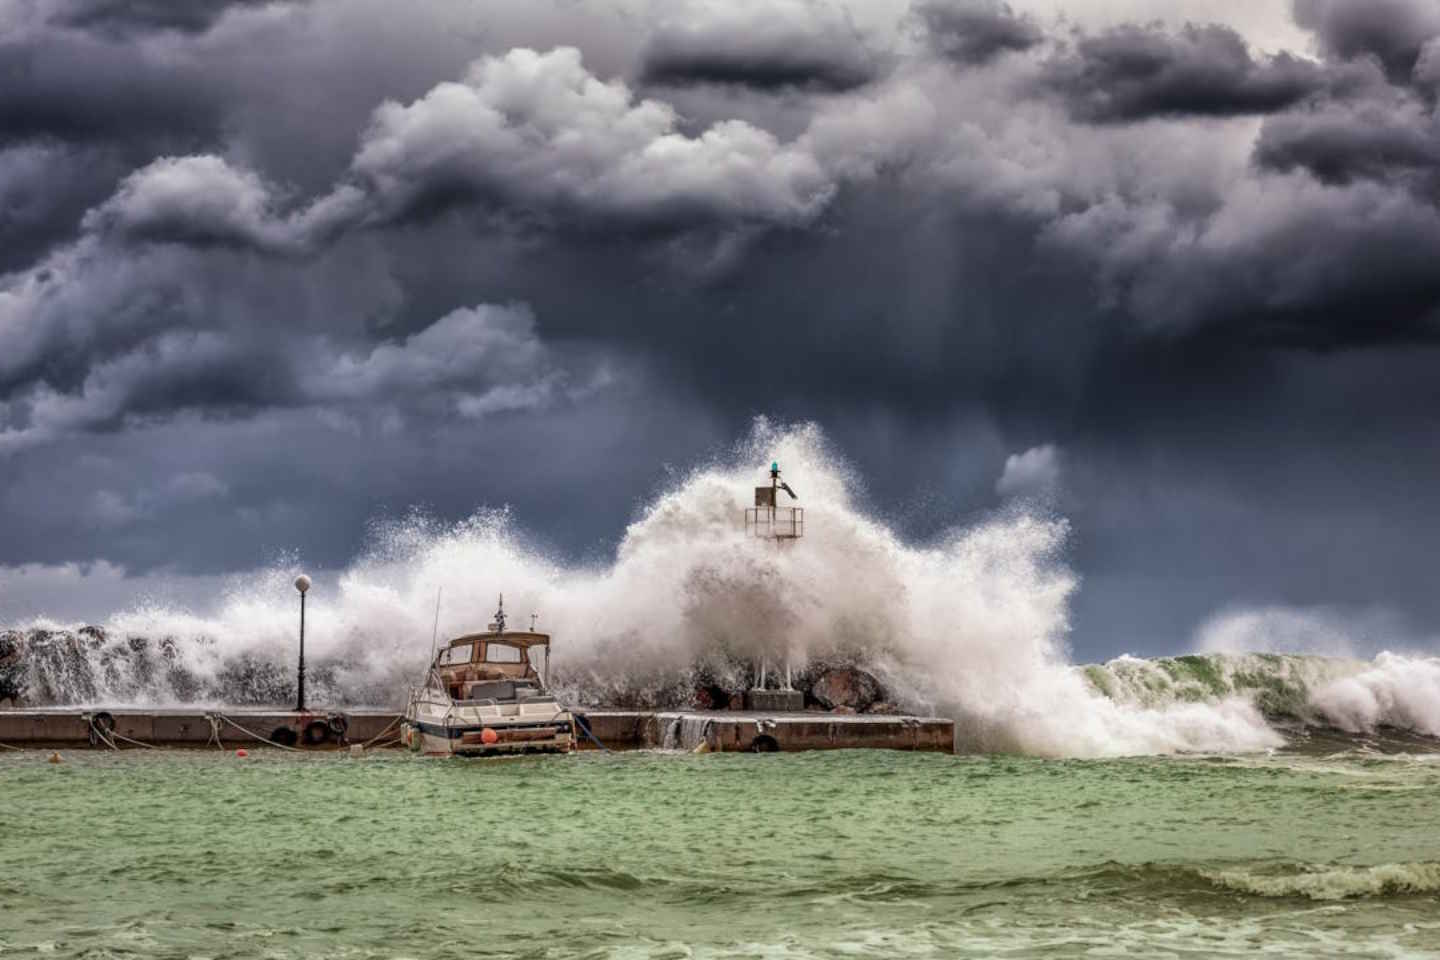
192	726
728	731
720	731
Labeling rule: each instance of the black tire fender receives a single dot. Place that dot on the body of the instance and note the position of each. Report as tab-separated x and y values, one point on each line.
316	733
102	724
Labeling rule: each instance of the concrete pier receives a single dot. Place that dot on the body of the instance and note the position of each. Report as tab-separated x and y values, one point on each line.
719	731
190	727
763	732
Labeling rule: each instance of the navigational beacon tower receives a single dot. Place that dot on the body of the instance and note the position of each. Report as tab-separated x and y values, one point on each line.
768	520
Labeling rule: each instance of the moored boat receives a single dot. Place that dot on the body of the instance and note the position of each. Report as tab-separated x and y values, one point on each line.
483	696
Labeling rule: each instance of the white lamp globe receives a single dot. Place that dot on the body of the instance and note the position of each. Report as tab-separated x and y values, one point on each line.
302	583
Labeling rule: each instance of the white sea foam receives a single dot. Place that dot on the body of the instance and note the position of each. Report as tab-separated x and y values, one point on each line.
1395	691
972	625
1334	882
1358	696
1286	933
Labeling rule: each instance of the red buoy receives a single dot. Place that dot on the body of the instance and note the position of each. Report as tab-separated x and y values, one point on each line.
488	736
242	752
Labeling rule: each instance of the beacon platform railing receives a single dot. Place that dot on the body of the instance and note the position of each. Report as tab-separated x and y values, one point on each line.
779	523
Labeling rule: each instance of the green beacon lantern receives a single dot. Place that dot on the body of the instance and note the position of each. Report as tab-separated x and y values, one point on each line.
770	521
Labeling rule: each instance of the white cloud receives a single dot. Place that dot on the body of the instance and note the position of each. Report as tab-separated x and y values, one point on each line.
197	486
539	132
72	594
1332	631
481	359
204	200
114	387
530	132
1034	473
110	509
1268	26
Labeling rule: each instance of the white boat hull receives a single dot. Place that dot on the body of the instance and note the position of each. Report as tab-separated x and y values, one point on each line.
434	726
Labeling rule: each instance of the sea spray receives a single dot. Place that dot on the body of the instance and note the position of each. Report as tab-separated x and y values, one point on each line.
1394	690
1357	696
972	625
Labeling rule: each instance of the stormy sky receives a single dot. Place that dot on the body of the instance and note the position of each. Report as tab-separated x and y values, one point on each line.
272	271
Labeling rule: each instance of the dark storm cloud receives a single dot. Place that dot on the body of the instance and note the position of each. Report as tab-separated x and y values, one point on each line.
1289	263
45	189
536	134
1134	73
76	87
768	46
976	31
342	258
1392	31
1394	141
139	16
785	65
170	333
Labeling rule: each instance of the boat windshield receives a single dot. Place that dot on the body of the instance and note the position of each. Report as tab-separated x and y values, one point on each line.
502	653
453	655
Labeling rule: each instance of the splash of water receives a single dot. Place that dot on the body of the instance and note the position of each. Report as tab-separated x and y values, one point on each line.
1356	696
971	626
1332	882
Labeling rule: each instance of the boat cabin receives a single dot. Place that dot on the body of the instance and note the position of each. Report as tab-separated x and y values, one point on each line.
493	666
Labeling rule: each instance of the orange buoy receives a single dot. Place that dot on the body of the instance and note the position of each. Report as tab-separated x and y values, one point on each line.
242	752
488	736
56	758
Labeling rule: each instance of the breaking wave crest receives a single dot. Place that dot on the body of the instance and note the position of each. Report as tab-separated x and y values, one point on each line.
972	625
1356	696
1333	882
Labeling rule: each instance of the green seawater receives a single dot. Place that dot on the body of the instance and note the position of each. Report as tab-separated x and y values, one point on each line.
644	855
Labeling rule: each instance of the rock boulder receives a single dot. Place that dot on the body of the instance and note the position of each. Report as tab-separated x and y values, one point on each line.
846	687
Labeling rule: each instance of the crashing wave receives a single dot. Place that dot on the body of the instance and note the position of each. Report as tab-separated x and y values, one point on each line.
1356	696
1332	882
972	625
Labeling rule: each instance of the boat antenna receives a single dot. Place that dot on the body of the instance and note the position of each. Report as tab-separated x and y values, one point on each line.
435	629
434	637
499	623
533	618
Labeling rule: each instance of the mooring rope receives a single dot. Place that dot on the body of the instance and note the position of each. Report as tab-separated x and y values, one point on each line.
367	743
257	736
121	736
577	718
100	732
580	721
214	732
7	746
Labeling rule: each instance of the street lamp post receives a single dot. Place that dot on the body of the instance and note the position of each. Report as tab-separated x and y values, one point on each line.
302	583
